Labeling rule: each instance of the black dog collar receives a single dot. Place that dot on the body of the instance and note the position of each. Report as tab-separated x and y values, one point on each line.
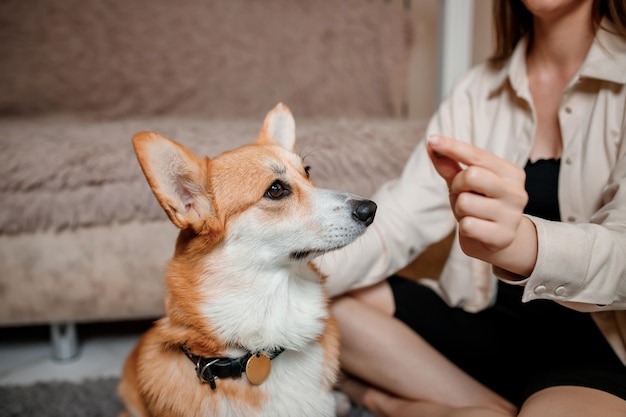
208	369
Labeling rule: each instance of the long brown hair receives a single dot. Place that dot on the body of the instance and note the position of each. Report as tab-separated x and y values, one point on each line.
512	21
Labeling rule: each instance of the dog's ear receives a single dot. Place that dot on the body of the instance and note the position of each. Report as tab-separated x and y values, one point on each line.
178	179
279	128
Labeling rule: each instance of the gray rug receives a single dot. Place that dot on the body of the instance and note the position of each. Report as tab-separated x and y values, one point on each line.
92	398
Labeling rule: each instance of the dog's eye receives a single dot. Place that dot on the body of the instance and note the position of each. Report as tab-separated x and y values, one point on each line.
277	191
307	170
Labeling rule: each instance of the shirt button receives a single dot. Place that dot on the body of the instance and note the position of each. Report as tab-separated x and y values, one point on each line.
571	219
568	161
560	291
568	110
539	289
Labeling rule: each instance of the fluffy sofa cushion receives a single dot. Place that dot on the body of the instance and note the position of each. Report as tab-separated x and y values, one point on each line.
58	174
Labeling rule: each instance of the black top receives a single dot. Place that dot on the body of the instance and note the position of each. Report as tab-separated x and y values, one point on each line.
542	185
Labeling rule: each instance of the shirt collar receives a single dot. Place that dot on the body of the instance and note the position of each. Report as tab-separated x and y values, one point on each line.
606	60
513	71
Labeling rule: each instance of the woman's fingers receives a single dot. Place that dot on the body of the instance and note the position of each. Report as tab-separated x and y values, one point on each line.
488	197
487	194
483	219
466	168
478	180
446	167
486	219
469	155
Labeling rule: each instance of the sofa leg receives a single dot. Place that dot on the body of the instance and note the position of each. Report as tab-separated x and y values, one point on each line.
64	338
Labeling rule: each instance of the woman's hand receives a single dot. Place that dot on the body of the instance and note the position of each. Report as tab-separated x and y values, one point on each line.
488	197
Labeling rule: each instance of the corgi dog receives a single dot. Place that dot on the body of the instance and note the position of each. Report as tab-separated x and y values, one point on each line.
247	329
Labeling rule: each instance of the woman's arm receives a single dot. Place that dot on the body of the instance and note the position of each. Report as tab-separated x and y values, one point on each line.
582	266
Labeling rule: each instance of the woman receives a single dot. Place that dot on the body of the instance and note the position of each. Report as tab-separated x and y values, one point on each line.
529	314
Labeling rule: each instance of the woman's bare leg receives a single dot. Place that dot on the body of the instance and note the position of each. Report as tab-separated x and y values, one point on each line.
383	404
571	401
387	354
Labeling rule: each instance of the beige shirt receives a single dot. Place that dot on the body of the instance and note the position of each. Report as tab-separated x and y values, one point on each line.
581	261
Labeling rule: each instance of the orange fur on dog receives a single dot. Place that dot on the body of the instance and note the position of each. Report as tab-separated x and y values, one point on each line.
240	283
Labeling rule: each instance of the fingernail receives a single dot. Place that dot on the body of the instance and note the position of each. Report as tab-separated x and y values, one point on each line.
434	140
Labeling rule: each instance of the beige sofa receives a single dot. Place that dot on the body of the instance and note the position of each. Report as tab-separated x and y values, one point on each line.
81	236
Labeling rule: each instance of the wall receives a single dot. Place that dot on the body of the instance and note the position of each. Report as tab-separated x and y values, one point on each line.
424	67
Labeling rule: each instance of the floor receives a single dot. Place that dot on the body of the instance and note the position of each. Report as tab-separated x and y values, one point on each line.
26	353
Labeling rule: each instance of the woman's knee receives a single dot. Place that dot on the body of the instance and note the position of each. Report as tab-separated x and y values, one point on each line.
378	296
572	401
359	313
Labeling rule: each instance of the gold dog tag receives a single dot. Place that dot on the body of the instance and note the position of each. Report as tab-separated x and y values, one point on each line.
258	368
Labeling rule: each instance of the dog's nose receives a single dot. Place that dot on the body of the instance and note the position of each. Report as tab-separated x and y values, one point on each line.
363	211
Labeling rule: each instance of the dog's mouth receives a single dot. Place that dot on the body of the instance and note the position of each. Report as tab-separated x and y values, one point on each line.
301	254
311	253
